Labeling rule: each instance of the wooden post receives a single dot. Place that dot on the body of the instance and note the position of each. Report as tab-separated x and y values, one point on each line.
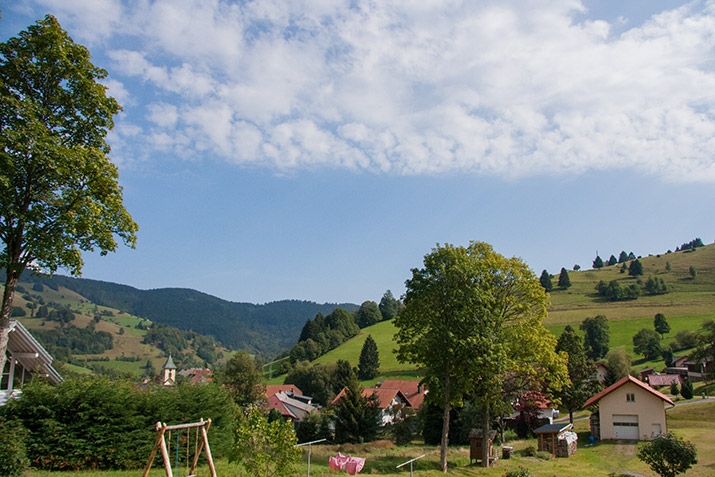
208	449
161	428
161	443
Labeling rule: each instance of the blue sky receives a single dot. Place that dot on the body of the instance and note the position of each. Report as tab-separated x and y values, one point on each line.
298	149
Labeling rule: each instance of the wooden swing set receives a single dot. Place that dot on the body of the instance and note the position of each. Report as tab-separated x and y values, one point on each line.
162	429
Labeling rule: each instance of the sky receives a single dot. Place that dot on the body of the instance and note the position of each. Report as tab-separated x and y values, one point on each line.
318	149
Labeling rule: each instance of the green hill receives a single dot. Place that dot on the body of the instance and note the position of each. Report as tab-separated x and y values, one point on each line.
268	328
689	302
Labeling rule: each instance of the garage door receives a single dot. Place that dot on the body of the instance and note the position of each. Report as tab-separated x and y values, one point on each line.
625	427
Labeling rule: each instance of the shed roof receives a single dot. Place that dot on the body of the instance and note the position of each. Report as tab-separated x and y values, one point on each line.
627	379
553	428
30	353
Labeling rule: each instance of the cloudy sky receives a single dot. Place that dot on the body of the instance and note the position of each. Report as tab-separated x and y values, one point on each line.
318	149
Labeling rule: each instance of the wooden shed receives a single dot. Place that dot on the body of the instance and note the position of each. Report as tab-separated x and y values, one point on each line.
557	439
475	449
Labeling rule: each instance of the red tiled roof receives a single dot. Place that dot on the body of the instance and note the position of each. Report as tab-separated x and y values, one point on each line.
407	386
384	396
275	403
627	379
272	389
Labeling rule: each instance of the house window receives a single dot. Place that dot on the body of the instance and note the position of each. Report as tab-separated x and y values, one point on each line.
630	397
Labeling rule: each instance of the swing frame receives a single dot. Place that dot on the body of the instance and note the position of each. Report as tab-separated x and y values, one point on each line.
161	429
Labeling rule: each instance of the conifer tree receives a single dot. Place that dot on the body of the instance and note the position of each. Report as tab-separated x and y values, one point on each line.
356	416
598	262
545	281
564	280
636	268
661	324
612	260
369	363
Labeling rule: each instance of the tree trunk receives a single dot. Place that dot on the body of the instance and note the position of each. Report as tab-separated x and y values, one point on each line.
8	293
571	416
445	427
485	436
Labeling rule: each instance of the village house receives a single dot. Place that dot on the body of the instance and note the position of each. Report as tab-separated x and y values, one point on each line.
628	409
289	400
26	360
387	399
411	388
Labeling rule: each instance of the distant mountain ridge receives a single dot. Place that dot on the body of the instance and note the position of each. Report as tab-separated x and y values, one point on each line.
268	329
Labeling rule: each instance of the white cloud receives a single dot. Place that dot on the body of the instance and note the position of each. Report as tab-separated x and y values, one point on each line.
502	88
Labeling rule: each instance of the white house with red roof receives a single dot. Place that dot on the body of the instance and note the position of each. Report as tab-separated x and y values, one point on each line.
411	388
387	399
629	409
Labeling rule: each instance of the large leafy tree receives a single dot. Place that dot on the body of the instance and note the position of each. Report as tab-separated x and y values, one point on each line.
243	379
369	363
368	314
647	343
581	371
389	306
596	336
471	317
59	192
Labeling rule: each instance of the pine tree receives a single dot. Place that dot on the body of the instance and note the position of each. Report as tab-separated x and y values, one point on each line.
686	389
356	416
598	262
564	280
545	281
369	360
623	257
636	268
612	260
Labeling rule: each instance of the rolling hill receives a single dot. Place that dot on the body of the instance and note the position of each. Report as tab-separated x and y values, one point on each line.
689	302
267	329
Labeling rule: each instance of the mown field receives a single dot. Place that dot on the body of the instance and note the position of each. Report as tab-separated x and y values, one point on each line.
695	422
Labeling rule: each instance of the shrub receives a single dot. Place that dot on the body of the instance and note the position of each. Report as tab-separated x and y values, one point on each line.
543	455
13	461
530	451
686	390
510	435
99	424
520	472
668	455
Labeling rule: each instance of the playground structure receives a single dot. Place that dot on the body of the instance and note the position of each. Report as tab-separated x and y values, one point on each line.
199	445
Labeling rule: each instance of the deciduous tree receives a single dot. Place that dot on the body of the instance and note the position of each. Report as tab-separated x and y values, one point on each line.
596	336
368	314
668	455
59	193
243	379
470	316
660	324
647	343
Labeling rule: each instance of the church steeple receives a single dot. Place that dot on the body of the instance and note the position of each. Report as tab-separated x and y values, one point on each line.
168	373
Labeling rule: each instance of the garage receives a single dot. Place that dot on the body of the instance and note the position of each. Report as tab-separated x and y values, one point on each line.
625	427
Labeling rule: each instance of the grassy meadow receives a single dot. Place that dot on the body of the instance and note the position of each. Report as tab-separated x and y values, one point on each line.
689	302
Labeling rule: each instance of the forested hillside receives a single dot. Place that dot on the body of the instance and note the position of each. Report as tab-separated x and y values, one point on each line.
267	329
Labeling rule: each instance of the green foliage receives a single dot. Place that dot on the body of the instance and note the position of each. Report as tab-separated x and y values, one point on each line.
78	340
706	347
636	268
389	306
368	314
13	458
17	311
693	272
647	343
596	336
674	389
656	286
403	425
612	260
660	324
598	262
100	424
356	416
623	257
614	291
243	379
470	316
668	455
59	192
265	448
520	472
545	281
369	364
618	365
687	389
313	427
580	368
326	332
564	280
321	381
